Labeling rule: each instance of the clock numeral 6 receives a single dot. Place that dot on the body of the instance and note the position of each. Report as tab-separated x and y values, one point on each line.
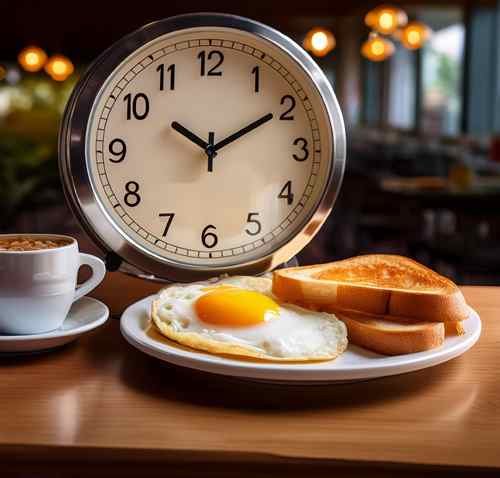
137	106
287	100
303	146
171	70
132	197
170	218
286	193
251	220
209	239
118	148
215	55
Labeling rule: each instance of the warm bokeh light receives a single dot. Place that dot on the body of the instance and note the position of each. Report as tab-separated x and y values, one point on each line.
59	67
386	19
32	58
414	35
319	41
3	72
377	48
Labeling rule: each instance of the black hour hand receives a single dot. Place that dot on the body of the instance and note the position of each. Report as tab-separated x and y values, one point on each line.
189	135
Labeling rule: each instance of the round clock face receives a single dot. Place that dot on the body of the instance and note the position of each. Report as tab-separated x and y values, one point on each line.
209	147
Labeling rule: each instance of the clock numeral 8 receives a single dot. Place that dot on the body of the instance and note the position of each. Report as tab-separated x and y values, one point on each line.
117	147
209	239
303	147
132	197
138	106
203	57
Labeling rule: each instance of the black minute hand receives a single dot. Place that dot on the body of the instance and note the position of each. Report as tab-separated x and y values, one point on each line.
243	131
189	135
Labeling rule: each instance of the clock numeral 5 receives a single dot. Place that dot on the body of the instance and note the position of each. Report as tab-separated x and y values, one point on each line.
170	218
137	106
171	70
286	193
214	54
290	101
209	239
132	197
303	146
251	220
118	148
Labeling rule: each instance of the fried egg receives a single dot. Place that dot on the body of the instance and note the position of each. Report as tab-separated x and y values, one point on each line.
240	316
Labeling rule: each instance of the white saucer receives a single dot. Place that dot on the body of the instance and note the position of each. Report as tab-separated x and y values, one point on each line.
85	314
355	364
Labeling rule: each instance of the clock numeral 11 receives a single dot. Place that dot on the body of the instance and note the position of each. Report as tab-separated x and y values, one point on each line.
171	70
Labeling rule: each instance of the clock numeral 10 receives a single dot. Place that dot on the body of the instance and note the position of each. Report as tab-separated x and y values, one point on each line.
256	73
257	225
132	197
137	106
171	70
290	101
208	238
170	218
117	148
286	193
215	55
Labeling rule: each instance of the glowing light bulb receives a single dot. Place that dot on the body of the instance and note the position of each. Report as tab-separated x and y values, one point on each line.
59	67
319	41
414	35
32	58
377	48
386	19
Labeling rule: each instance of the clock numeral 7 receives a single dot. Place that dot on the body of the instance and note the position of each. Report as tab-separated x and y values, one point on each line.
251	220
203	57
286	193
171	70
170	218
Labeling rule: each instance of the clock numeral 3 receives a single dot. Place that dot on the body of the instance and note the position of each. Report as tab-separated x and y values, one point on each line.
290	101
303	146
132	197
137	106
209	239
256	73
286	193
170	218
118	148
251	220
171	70
215	55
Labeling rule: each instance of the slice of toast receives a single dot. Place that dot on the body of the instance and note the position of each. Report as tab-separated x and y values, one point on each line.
378	284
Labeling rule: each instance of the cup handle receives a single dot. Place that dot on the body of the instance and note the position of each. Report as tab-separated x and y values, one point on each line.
98	273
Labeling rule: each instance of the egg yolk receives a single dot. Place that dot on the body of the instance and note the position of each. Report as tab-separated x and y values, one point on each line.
235	307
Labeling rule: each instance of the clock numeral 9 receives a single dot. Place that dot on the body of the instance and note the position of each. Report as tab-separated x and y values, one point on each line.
132	197
251	220
214	54
171	69
286	193
170	218
118	148
137	106
290	101
256	73
303	146
209	239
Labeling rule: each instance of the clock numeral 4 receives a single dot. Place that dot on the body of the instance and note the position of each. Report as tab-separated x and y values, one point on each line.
171	71
302	142
132	197
117	148
256	73
170	218
257	225
289	101
215	56
137	106
286	193
208	238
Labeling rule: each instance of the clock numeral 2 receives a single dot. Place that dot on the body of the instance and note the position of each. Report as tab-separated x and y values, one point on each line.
303	147
286	192
209	239
212	55
137	106
170	218
256	73
118	148
171	69
290	100
251	220
132	197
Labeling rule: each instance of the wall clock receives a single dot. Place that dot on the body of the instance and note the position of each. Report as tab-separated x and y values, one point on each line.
202	144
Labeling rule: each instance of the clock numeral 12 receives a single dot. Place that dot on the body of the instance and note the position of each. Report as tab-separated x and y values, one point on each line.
171	69
203	57
286	192
137	106
170	218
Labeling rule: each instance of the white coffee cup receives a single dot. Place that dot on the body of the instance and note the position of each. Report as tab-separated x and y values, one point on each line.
37	287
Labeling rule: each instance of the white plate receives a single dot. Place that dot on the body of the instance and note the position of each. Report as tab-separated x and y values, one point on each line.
354	364
85	314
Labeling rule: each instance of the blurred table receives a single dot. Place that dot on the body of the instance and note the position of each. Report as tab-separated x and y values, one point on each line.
99	407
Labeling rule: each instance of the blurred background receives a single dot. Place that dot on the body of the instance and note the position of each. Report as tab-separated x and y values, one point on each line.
418	84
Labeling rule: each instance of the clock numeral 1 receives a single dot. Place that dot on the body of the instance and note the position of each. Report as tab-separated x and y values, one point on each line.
171	69
287	100
286	193
303	146
132	197
256	73
251	220
170	218
209	239
137	106
204	58
118	148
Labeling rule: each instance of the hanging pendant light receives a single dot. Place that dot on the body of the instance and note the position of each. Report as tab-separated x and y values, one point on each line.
386	19
377	48
32	58
319	41
414	35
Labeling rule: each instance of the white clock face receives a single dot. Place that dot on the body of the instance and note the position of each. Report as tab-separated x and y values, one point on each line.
210	147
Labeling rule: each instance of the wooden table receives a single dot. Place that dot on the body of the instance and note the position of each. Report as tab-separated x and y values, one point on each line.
99	406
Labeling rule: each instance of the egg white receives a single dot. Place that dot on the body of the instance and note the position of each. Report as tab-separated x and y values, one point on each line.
296	335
